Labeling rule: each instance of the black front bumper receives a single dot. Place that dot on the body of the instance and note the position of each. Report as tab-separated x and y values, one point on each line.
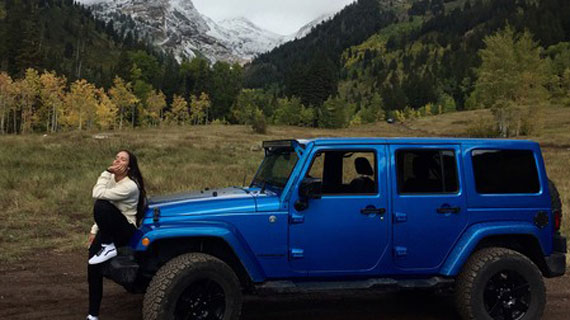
556	262
123	270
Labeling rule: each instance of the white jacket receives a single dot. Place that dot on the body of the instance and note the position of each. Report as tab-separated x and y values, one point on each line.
123	194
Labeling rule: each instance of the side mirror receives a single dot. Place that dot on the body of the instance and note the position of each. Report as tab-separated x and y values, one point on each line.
310	188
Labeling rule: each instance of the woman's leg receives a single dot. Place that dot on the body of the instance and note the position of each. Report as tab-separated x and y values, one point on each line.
95	279
113	225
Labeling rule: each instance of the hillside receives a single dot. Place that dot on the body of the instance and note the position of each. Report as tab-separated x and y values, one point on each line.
418	51
63	36
308	67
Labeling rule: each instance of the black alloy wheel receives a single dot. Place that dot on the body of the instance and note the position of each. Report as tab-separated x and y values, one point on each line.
507	296
500	284
193	286
202	300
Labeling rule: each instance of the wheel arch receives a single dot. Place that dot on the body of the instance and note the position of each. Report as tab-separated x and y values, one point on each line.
164	250
520	237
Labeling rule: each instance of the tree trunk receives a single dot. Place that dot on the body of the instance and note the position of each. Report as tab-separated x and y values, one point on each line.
15	122
2	120
133	116
53	119
121	118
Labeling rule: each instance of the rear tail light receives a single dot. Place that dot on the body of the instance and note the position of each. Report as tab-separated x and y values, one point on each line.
557	219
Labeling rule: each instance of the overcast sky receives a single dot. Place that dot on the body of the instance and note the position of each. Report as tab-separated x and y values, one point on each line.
281	16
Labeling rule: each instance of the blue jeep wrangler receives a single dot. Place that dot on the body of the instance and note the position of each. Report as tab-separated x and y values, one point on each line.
479	217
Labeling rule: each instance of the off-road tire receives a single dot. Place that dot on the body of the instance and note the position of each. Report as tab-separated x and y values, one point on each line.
178	274
483	265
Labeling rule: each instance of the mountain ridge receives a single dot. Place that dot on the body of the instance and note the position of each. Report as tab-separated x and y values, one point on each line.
177	26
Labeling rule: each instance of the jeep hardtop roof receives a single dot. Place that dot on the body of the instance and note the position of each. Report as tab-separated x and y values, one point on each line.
438	141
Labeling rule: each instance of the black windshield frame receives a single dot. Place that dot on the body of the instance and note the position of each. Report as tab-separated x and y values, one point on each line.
274	158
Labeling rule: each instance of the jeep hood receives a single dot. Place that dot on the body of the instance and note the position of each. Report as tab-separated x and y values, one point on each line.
214	201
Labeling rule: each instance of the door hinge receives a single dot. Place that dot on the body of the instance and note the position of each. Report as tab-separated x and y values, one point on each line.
296	218
400	217
296	254
400	251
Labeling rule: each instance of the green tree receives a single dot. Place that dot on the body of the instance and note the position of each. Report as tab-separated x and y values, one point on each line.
566	87
373	111
247	105
141	89
511	81
225	86
333	113
196	75
288	112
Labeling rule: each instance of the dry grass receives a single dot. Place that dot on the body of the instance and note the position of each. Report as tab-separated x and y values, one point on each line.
45	182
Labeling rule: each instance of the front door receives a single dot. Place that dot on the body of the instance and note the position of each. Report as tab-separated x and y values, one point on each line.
429	207
346	230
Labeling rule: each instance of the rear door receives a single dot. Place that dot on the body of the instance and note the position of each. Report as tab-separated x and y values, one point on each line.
429	206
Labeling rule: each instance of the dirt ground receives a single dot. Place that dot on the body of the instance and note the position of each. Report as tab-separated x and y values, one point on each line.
54	287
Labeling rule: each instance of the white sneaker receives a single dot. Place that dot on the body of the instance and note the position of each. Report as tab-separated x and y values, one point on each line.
107	252
90	317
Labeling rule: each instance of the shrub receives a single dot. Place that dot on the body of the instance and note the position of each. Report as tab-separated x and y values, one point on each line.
259	124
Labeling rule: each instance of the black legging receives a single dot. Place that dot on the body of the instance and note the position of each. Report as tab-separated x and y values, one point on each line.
113	228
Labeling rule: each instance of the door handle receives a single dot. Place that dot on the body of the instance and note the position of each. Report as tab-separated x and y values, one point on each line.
372	210
446	210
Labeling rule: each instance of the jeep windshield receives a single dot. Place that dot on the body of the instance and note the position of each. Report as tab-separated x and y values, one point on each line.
275	168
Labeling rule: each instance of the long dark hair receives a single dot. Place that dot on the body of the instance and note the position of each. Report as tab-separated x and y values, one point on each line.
134	173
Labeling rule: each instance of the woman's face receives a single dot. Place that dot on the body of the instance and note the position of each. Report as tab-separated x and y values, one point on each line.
121	159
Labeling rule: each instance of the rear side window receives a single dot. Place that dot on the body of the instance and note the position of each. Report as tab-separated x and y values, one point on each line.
426	171
505	171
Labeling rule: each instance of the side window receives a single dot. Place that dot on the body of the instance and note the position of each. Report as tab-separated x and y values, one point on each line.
426	171
345	172
505	171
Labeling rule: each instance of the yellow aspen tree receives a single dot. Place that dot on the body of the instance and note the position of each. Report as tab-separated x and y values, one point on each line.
81	104
106	112
28	94
196	112
206	105
199	108
179	111
123	97
6	99
52	95
156	102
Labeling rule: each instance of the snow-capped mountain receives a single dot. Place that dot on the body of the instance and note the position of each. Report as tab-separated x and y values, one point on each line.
249	39
177	26
306	29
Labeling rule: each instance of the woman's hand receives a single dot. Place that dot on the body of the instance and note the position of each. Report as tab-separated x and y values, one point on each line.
90	240
118	168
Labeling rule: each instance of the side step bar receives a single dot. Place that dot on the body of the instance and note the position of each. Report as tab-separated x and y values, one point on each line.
284	287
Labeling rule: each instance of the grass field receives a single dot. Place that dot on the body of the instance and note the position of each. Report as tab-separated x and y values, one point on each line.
46	181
